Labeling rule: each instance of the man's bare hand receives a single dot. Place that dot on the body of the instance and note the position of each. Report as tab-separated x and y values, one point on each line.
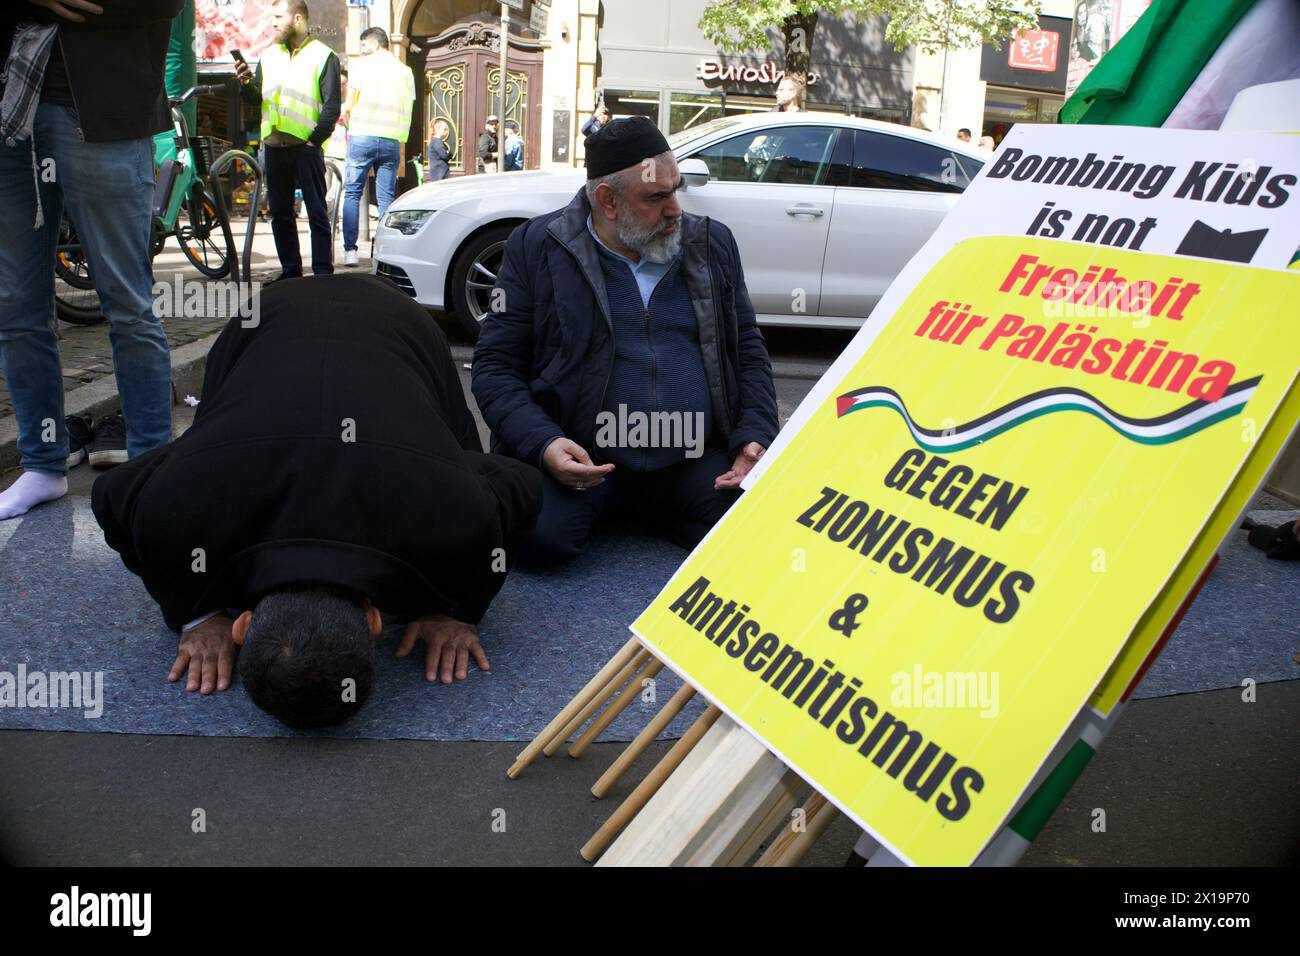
243	73
449	644
570	465
67	9
209	652
745	460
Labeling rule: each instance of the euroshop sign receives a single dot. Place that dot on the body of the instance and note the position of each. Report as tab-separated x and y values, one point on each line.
713	70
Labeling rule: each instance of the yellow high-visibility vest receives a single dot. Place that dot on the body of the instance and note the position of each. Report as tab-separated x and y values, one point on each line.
291	88
385	94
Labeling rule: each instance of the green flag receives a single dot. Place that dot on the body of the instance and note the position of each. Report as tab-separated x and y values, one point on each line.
1142	78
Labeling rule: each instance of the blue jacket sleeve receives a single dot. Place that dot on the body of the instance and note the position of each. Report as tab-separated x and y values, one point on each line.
503	360
758	419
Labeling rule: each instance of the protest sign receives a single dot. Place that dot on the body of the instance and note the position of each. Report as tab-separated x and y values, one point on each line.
968	524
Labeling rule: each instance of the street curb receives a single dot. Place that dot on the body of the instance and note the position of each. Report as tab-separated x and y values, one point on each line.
100	398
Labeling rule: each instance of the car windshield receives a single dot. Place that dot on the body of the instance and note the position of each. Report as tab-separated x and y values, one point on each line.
682	137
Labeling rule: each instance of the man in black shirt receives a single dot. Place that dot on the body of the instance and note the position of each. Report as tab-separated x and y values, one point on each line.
333	471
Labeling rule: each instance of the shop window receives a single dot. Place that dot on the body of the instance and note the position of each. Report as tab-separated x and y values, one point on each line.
881	161
632	103
744	105
692	110
788	155
882	113
1004	108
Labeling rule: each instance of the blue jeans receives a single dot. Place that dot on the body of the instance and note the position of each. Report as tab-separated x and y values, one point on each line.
108	191
364	152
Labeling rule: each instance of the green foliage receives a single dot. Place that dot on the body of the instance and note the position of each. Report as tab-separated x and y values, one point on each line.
741	25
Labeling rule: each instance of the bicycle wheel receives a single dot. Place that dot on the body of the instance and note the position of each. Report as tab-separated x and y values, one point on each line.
75	298
204	236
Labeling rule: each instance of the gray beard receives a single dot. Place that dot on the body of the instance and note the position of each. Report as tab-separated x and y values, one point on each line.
645	243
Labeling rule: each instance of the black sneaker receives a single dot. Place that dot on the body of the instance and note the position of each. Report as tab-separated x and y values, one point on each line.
109	445
80	435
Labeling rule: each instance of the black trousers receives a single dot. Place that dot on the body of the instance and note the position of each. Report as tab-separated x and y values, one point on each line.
298	167
678	503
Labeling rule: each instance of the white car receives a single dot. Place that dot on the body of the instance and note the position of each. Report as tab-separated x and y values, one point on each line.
826	210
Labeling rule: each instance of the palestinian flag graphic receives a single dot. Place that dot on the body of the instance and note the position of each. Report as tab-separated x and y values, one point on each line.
1161	430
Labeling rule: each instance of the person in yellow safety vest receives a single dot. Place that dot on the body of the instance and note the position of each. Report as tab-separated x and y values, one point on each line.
378	117
296	87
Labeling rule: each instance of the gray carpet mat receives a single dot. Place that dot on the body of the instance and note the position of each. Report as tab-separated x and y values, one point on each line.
68	604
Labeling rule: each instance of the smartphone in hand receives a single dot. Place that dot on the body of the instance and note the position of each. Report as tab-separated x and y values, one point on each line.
242	70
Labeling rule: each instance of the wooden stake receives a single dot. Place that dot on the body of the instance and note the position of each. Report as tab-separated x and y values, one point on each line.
789	848
643	740
594	686
648	787
596	703
615	708
727	783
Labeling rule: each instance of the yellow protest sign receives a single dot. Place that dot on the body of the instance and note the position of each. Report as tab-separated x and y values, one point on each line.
1225	520
916	598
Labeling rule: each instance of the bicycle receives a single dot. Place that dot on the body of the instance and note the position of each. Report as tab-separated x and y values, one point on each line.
183	206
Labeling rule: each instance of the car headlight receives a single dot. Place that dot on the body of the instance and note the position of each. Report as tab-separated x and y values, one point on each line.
407	221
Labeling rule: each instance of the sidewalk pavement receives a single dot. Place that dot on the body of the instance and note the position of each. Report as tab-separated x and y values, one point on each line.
88	383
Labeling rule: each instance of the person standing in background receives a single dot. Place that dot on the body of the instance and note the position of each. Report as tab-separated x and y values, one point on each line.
487	146
514	158
378	118
439	152
296	88
82	96
597	121
789	96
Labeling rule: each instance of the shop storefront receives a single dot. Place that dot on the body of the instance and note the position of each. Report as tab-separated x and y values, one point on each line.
668	71
1026	78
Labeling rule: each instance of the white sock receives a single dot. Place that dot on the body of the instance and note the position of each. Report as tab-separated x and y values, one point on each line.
31	489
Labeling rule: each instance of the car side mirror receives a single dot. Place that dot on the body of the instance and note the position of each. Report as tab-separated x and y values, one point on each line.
695	173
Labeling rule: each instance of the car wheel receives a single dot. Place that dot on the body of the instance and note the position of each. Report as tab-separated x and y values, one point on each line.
475	275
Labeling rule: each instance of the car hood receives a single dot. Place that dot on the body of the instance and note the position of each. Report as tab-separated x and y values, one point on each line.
447	191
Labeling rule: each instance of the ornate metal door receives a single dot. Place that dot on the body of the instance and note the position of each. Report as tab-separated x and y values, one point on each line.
516	97
444	99
462	85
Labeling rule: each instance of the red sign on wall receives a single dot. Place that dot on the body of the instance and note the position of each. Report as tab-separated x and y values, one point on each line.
1034	50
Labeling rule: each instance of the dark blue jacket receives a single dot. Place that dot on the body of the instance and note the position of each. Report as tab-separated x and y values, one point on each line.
544	360
437	167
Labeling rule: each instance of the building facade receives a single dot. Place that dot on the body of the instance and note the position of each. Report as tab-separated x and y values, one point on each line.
988	89
454	46
663	67
650	58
